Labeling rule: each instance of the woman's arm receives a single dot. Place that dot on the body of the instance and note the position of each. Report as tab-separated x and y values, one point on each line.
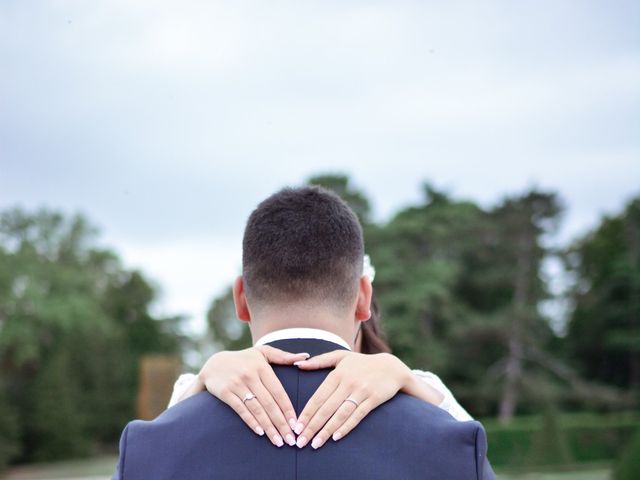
449	402
184	388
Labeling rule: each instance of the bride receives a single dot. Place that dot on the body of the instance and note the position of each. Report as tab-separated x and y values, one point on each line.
369	368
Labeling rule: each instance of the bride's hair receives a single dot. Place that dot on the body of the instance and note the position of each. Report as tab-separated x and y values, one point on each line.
373	337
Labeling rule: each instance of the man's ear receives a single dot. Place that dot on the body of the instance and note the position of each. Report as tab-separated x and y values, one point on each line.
240	300
363	304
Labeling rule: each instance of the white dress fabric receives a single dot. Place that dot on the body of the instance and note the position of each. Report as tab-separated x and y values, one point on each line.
448	404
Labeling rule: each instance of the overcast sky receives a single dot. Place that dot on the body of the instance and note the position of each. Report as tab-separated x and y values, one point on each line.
166	122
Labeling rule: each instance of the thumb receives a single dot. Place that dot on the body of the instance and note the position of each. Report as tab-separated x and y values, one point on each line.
326	360
280	357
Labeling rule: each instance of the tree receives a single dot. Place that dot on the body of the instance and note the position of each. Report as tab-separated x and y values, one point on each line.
460	289
604	330
521	223
418	259
73	324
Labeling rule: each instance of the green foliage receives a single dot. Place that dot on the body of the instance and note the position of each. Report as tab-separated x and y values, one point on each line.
604	332
73	324
583	438
224	327
549	445
9	431
459	287
628	467
55	426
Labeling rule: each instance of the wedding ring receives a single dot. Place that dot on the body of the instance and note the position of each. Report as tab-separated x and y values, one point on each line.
355	402
248	396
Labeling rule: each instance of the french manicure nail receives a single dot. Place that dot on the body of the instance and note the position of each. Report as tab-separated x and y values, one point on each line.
277	439
301	442
259	430
298	362
305	354
290	440
336	436
316	443
292	423
298	428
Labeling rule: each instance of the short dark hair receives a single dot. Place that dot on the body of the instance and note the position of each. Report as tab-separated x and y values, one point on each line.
302	244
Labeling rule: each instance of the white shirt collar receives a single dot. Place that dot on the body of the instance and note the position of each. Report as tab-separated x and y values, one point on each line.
289	333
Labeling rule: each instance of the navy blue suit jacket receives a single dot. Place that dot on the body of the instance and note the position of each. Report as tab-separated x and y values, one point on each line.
202	438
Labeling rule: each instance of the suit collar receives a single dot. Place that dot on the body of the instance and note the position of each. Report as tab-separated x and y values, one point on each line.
312	346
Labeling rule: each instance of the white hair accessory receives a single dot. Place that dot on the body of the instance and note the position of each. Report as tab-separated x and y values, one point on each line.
367	269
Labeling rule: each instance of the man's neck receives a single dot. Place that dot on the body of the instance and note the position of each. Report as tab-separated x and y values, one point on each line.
274	319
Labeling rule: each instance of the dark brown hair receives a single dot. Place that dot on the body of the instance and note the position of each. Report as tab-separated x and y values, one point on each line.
373	337
302	243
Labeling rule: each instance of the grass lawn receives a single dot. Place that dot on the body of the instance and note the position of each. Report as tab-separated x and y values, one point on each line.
102	468
579	475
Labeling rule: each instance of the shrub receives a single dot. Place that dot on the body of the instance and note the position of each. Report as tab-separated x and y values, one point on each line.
9	433
628	467
586	438
54	428
549	445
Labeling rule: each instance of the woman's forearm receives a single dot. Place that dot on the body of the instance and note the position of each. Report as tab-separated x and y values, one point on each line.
187	385
415	387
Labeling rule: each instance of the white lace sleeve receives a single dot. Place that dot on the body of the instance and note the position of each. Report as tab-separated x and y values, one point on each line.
449	403
180	387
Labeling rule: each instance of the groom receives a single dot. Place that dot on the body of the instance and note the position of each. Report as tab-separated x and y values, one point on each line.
302	268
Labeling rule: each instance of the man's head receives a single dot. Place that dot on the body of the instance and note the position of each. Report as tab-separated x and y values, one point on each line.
302	246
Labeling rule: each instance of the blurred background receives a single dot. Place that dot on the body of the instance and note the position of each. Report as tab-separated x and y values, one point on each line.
491	150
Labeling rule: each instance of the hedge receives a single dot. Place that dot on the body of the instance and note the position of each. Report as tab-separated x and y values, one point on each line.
560	439
628	467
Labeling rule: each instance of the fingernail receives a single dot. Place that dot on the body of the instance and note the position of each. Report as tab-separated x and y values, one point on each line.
298	362
277	439
336	436
291	356
290	440
292	423
298	428
259	430
301	442
316	443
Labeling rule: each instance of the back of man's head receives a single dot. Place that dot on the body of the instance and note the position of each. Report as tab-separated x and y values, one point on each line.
302	244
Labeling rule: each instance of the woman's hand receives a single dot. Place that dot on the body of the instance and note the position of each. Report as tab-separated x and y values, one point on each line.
232	376
358	384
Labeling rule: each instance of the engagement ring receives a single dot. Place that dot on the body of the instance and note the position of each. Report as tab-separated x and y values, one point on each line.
248	396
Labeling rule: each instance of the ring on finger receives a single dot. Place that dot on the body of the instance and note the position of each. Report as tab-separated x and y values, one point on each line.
352	400
248	396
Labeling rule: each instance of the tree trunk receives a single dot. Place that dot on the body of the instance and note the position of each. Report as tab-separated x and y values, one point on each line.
513	368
